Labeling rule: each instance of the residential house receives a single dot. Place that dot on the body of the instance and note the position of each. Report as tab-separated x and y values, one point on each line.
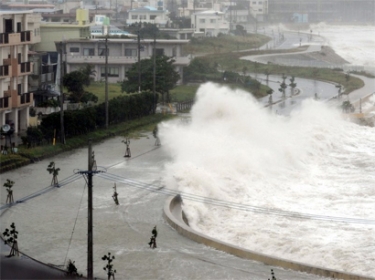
18	31
259	9
190	7
148	14
210	23
238	14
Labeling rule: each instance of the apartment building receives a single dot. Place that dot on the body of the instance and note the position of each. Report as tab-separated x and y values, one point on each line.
122	53
18	31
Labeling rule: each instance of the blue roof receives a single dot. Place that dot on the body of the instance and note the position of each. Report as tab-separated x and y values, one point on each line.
150	8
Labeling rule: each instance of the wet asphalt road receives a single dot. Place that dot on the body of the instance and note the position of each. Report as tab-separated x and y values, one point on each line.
53	226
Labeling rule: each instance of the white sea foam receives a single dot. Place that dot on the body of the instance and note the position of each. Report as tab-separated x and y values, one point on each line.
310	162
354	43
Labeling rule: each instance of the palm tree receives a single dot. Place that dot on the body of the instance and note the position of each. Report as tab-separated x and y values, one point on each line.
89	72
244	70
11	236
54	171
8	185
267	73
256	68
347	107
292	85
269	92
339	91
283	86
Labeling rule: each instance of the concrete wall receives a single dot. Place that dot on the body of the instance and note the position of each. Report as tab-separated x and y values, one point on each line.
174	215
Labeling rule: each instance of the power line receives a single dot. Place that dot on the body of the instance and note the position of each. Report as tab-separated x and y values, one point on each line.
233	205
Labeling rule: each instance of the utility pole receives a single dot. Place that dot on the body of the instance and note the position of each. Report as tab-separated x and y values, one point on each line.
61	97
90	267
92	169
154	71
106	80
139	59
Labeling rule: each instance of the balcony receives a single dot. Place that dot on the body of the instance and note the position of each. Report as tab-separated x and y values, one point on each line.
47	77
26	98
23	37
21	100
7	61
24	68
101	59
4	38
4	71
5	103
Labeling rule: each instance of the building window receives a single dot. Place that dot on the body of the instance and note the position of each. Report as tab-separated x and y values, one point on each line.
260	2
260	10
152	17
134	17
212	20
159	52
142	17
112	71
74	50
174	52
130	52
19	89
202	20
101	52
88	51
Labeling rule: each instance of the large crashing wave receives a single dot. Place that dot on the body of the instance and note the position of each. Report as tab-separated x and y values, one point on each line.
311	162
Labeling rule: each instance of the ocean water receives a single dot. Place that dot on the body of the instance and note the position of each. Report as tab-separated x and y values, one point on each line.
299	187
354	43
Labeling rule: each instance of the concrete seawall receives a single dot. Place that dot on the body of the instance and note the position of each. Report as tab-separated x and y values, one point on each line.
175	217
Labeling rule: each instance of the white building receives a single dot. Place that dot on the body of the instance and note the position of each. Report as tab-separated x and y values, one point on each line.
190	7
211	23
259	9
18	31
122	53
149	14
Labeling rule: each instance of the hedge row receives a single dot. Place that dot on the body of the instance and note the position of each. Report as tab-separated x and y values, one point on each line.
78	122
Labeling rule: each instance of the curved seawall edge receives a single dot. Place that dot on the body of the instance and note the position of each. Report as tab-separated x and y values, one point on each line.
174	216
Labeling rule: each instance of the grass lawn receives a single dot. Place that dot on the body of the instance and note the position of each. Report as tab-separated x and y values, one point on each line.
98	88
183	93
225	43
232	62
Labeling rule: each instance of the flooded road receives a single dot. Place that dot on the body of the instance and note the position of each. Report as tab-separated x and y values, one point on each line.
53	225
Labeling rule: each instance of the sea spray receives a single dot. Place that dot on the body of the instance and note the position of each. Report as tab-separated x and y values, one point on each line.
312	162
